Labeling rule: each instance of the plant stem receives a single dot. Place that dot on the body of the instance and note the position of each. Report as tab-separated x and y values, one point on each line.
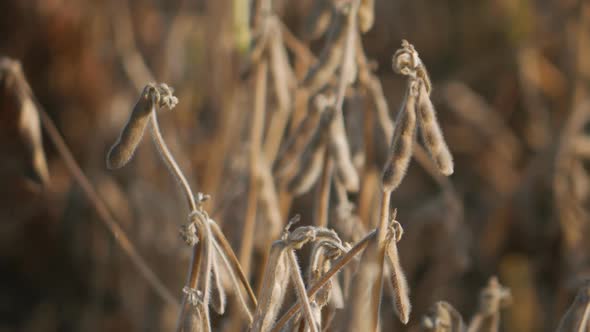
170	162
300	290
323	200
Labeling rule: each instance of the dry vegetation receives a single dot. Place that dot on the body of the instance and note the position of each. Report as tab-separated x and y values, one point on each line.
288	188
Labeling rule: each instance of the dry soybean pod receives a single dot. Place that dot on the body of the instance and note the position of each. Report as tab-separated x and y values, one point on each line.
431	132
401	143
276	279
294	147
398	280
321	73
201	221
312	159
123	149
219	298
234	279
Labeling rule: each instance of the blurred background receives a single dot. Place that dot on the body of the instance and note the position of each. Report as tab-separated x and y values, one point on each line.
511	85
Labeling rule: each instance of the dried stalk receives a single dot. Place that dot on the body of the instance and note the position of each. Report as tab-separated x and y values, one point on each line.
323	194
300	290
230	255
165	153
235	281
364	314
201	284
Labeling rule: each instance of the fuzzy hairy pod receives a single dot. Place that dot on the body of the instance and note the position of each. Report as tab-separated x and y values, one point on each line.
234	274
401	143
276	279
153	96
398	280
322	255
123	149
432	134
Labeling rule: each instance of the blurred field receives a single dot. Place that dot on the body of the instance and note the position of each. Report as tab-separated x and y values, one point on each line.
511	84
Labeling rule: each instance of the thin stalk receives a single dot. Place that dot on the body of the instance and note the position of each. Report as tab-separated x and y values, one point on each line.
323	201
300	290
200	274
205	277
170	162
